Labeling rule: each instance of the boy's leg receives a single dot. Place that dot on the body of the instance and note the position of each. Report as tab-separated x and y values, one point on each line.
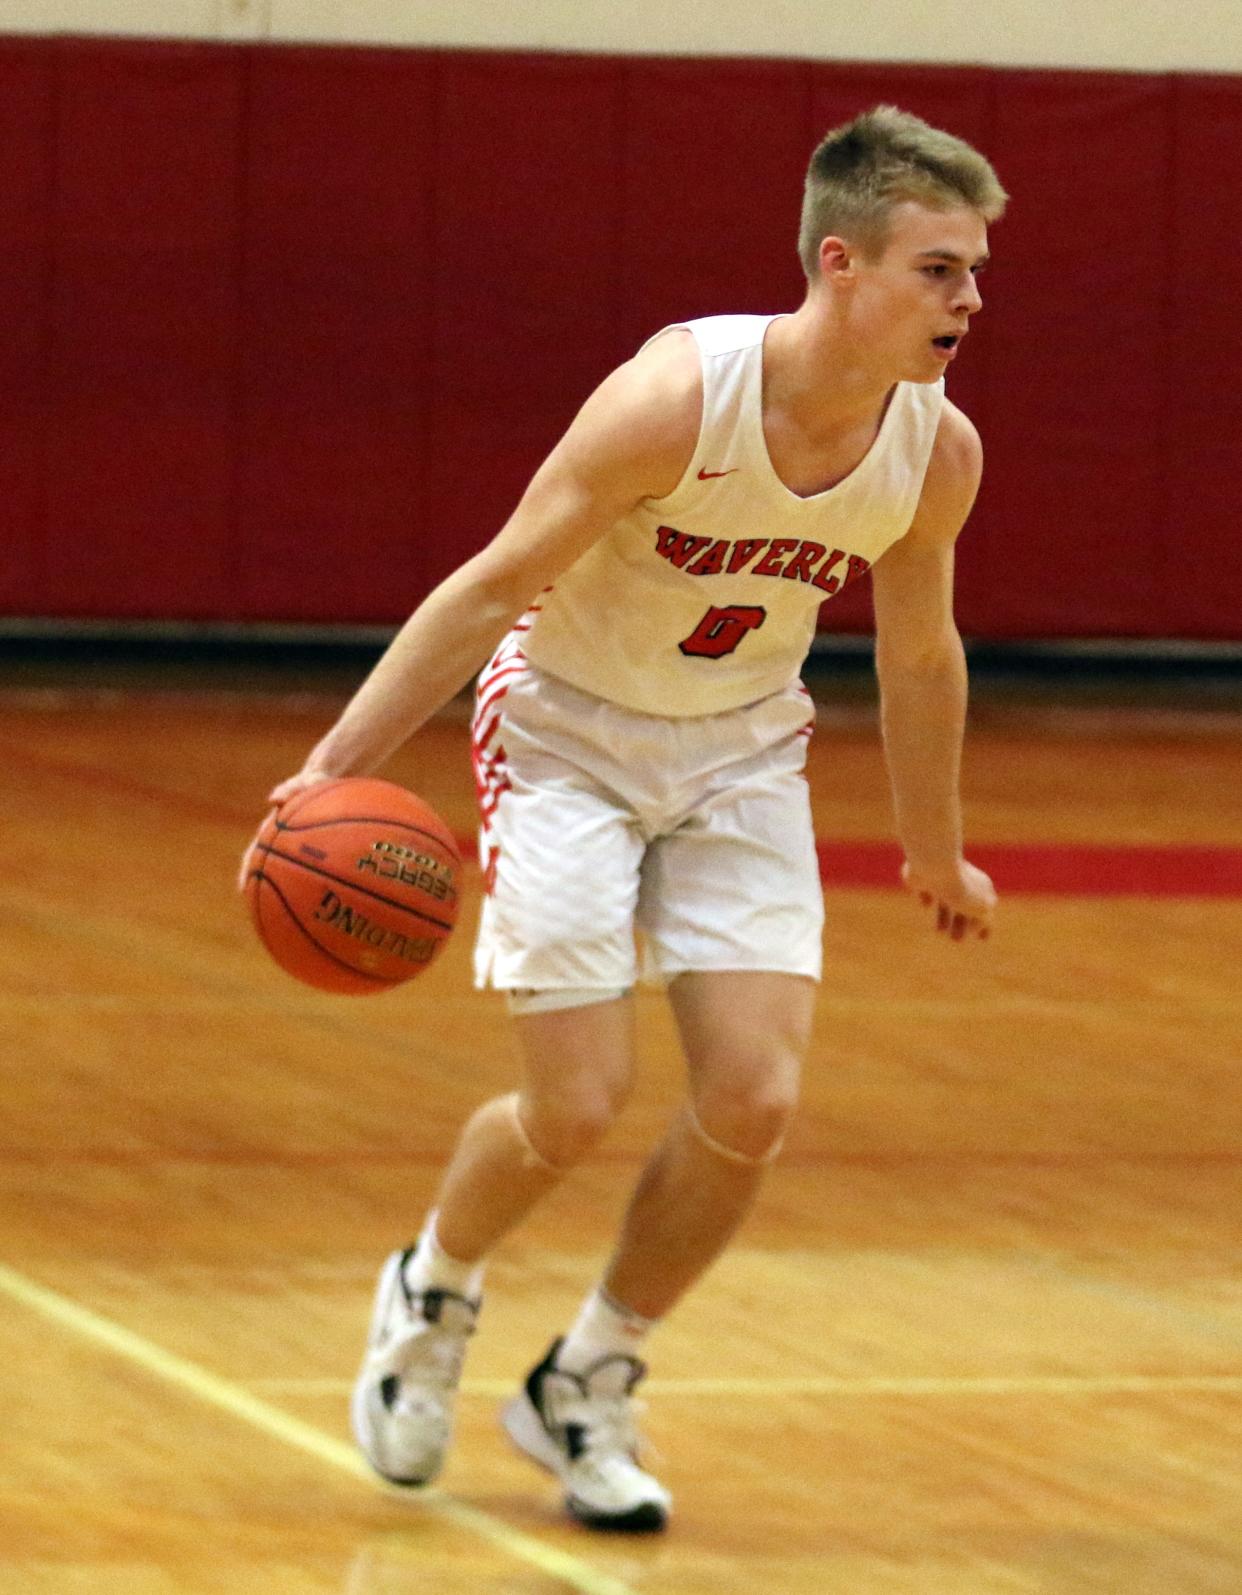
745	1035
578	1065
732	899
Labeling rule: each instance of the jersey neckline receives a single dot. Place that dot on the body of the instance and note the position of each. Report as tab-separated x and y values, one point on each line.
761	438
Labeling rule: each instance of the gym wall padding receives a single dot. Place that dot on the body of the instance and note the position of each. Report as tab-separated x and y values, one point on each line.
334	351
142	334
287	328
26	178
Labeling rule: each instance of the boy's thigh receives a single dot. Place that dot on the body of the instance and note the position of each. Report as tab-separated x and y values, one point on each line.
560	912
743	1025
737	886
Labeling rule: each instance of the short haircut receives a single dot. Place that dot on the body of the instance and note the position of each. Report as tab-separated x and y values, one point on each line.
865	168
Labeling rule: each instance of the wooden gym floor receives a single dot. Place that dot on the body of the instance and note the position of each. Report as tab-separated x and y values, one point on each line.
983	1334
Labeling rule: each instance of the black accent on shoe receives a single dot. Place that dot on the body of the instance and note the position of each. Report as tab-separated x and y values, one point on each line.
428	1304
404	1283
404	1484
535	1378
645	1519
534	1381
431	1304
575	1434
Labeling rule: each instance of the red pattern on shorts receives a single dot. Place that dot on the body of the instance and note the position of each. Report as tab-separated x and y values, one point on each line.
487	754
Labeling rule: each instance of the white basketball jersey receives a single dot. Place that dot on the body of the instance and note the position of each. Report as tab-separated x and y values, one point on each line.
706	599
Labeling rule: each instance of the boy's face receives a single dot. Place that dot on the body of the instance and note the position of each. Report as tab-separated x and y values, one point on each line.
911	305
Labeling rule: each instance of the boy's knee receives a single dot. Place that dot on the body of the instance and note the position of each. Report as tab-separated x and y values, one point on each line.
746	1114
562	1130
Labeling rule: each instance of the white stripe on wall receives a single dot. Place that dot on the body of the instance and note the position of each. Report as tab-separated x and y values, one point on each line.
1138	35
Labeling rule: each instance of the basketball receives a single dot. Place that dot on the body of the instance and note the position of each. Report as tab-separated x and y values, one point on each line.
353	885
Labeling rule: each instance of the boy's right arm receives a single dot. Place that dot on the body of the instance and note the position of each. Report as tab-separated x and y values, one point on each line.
632	440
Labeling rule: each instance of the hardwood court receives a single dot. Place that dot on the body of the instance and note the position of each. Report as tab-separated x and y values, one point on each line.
983	1335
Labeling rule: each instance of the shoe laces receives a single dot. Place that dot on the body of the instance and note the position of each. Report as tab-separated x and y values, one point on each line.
599	1406
433	1340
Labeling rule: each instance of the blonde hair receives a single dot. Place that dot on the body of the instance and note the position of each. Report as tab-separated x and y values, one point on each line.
861	170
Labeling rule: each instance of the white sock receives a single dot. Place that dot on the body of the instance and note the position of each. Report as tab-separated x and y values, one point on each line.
603	1328
431	1267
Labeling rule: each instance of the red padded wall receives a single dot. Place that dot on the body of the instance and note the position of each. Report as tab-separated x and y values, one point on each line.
26	120
1201	570
336	321
287	329
525	275
1079	348
143	330
711	184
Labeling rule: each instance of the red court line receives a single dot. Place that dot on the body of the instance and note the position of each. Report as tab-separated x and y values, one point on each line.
1059	869
1055	869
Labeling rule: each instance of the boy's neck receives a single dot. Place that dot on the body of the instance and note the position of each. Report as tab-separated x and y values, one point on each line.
812	373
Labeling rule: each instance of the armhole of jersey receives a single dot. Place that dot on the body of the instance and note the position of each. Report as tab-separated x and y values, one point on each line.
932	422
673	326
687	475
934	418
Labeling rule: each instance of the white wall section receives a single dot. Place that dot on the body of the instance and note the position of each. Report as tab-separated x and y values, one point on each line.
1138	35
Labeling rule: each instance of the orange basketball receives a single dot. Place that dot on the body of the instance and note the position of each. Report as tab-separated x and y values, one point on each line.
352	885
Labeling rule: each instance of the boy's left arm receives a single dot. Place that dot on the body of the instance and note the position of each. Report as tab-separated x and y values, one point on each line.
922	675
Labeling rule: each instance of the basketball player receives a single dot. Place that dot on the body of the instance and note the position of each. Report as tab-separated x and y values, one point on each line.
639	743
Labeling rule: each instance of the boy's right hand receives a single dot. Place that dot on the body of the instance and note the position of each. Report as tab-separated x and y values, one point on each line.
300	782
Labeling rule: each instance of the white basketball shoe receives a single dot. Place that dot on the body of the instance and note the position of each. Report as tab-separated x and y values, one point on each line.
402	1405
581	1427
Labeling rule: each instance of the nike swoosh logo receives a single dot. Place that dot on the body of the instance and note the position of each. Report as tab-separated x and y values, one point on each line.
705	476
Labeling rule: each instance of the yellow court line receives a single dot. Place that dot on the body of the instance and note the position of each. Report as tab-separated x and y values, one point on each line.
985	1385
1069	1007
239	1403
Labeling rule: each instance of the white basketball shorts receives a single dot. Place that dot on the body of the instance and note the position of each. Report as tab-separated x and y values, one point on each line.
598	821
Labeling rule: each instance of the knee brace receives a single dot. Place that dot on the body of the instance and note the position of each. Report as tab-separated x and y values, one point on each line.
728	1153
532	1157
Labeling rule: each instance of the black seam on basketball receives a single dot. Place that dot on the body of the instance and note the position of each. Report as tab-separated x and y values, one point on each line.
355	886
374	819
349	969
